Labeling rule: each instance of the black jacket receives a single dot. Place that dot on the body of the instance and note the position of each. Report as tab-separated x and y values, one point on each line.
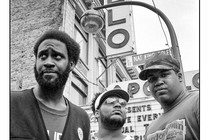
26	121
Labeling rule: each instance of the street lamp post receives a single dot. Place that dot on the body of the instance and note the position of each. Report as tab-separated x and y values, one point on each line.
87	26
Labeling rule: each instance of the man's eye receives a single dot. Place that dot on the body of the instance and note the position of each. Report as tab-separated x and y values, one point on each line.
58	57
43	56
123	104
110	102
163	75
151	79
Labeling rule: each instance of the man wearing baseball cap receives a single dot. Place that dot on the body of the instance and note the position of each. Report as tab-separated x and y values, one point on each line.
109	109
181	114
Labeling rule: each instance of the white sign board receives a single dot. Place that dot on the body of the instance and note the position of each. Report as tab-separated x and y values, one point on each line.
119	30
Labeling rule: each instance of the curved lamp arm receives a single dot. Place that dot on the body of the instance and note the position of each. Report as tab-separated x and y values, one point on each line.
174	42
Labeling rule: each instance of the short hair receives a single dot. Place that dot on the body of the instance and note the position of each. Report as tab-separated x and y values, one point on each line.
73	48
94	100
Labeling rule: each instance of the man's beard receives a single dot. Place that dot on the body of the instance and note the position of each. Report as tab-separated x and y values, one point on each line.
112	123
57	84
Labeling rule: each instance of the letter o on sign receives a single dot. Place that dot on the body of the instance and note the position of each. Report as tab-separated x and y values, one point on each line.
118	45
195	80
145	89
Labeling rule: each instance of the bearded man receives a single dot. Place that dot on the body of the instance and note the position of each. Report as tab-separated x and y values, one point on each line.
42	112
109	108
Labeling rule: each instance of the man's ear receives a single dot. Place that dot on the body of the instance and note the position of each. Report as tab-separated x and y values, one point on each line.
72	65
180	76
97	113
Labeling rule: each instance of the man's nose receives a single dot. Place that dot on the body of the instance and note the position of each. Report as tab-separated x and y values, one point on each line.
117	104
49	62
159	81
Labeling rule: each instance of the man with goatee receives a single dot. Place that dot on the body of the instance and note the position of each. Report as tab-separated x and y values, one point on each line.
42	112
109	108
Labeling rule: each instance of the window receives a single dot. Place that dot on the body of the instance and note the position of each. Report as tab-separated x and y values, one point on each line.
79	90
81	40
77	96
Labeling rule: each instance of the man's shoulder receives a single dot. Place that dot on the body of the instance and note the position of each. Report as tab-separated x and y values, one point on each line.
20	95
193	96
20	92
21	99
194	92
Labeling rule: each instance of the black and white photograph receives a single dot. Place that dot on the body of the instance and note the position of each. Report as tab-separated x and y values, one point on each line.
105	69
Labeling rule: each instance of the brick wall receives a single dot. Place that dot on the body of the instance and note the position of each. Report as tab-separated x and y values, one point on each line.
29	19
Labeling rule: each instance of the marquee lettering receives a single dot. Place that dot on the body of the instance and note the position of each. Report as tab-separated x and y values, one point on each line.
128	119
118	45
110	19
124	32
146	126
145	89
147	117
195	80
127	129
141	108
133	88
136	137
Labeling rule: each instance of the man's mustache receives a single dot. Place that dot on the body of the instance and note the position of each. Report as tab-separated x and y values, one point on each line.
48	71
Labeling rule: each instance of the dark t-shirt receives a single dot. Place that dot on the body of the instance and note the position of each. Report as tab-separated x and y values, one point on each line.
54	120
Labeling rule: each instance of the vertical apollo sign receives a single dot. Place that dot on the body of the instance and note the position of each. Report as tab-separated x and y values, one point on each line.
119	30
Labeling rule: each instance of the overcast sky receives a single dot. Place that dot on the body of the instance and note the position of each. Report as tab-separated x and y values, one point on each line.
184	16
